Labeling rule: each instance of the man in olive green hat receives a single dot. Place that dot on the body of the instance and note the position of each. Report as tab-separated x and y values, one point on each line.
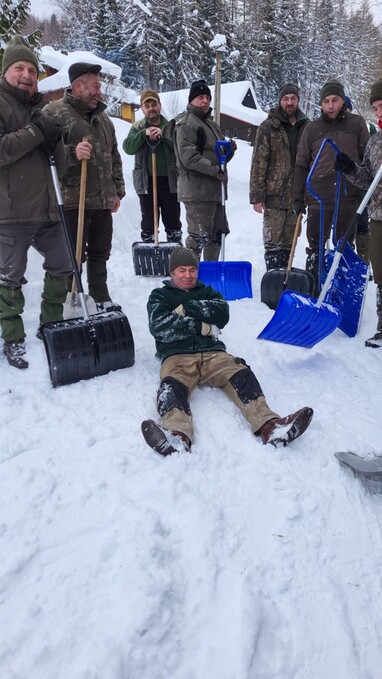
29	214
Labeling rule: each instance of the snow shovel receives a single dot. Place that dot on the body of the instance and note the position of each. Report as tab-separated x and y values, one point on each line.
275	281
82	348
153	259
72	306
231	279
302	320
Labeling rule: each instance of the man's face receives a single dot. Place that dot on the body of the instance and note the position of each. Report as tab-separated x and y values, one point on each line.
376	107
23	75
289	104
87	88
184	277
332	106
151	109
202	101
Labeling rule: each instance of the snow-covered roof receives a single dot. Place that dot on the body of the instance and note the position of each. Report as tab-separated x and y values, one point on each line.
232	96
61	62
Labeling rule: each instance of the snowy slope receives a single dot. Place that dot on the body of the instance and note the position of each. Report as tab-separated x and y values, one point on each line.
238	561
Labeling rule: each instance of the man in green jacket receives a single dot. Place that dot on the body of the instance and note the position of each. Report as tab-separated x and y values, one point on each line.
29	213
186	318
89	134
271	182
144	139
200	177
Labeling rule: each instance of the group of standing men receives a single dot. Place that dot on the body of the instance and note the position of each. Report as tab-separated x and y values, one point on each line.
285	148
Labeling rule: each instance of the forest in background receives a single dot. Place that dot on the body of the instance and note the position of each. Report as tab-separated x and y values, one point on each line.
268	42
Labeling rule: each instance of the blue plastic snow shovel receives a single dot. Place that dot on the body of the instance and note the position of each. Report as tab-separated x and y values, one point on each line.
231	279
349	285
302	320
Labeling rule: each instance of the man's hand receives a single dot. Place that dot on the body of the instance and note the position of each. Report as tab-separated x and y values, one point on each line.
83	150
223	176
180	310
259	207
155	133
208	329
117	203
344	163
299	207
50	129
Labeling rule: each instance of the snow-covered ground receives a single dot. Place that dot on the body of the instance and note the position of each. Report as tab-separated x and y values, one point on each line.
237	561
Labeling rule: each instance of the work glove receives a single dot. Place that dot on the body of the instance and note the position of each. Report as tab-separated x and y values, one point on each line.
180	310
299	206
50	129
208	329
344	163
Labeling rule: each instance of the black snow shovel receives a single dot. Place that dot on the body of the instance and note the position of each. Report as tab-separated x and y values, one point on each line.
72	306
81	348
153	259
231	279
275	281
304	321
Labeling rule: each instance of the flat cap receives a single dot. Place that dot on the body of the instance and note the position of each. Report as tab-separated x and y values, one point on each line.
81	68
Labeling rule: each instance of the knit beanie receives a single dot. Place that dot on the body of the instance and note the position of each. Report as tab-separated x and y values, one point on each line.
332	87
198	87
183	257
18	50
289	88
376	91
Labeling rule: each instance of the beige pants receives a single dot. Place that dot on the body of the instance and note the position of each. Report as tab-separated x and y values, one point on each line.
213	370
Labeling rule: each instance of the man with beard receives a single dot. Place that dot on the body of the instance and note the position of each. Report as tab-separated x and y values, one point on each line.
29	215
145	137
271	182
350	134
89	134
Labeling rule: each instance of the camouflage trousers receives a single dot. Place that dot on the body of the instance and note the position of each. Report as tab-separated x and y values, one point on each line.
278	229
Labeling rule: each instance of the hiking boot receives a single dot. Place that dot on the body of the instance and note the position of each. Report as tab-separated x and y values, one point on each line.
15	351
174	236
285	429
102	307
39	334
375	342
164	441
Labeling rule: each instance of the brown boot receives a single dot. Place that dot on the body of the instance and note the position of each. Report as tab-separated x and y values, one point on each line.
15	352
285	429
164	441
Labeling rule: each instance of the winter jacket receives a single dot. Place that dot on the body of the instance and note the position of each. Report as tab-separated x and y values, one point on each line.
26	189
349	132
104	171
175	334
363	175
137	143
195	134
271	179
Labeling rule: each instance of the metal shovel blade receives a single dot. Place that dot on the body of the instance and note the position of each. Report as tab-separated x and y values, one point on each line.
231	279
80	349
73	308
300	321
348	288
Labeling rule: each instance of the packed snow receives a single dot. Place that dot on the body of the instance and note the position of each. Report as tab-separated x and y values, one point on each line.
237	561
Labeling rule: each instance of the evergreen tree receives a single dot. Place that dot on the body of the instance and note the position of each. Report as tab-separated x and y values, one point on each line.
13	17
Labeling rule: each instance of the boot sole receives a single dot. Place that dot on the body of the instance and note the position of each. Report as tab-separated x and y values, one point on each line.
156	438
298	427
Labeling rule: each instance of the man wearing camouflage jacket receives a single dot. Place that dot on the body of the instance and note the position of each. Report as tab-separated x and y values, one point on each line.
89	134
271	183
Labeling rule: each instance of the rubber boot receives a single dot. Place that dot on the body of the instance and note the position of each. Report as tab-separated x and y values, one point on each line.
284	258
11	307
312	266
97	277
272	259
53	297
211	252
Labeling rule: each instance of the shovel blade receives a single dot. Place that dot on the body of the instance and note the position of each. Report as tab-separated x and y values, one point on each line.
80	349
152	260
348	288
275	281
299	321
73	308
231	279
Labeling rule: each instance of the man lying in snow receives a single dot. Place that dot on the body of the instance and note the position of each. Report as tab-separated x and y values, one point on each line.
186	318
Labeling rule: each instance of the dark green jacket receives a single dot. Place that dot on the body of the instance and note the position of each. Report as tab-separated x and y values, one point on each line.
176	334
26	189
272	166
104	171
136	143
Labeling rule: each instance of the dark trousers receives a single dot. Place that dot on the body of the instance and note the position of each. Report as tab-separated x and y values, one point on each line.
346	213
168	210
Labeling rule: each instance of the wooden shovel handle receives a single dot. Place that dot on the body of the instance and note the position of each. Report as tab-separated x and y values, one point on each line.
81	215
296	234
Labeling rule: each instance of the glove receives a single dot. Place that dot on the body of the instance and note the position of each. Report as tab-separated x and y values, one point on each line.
344	163
299	206
49	128
180	310
210	330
